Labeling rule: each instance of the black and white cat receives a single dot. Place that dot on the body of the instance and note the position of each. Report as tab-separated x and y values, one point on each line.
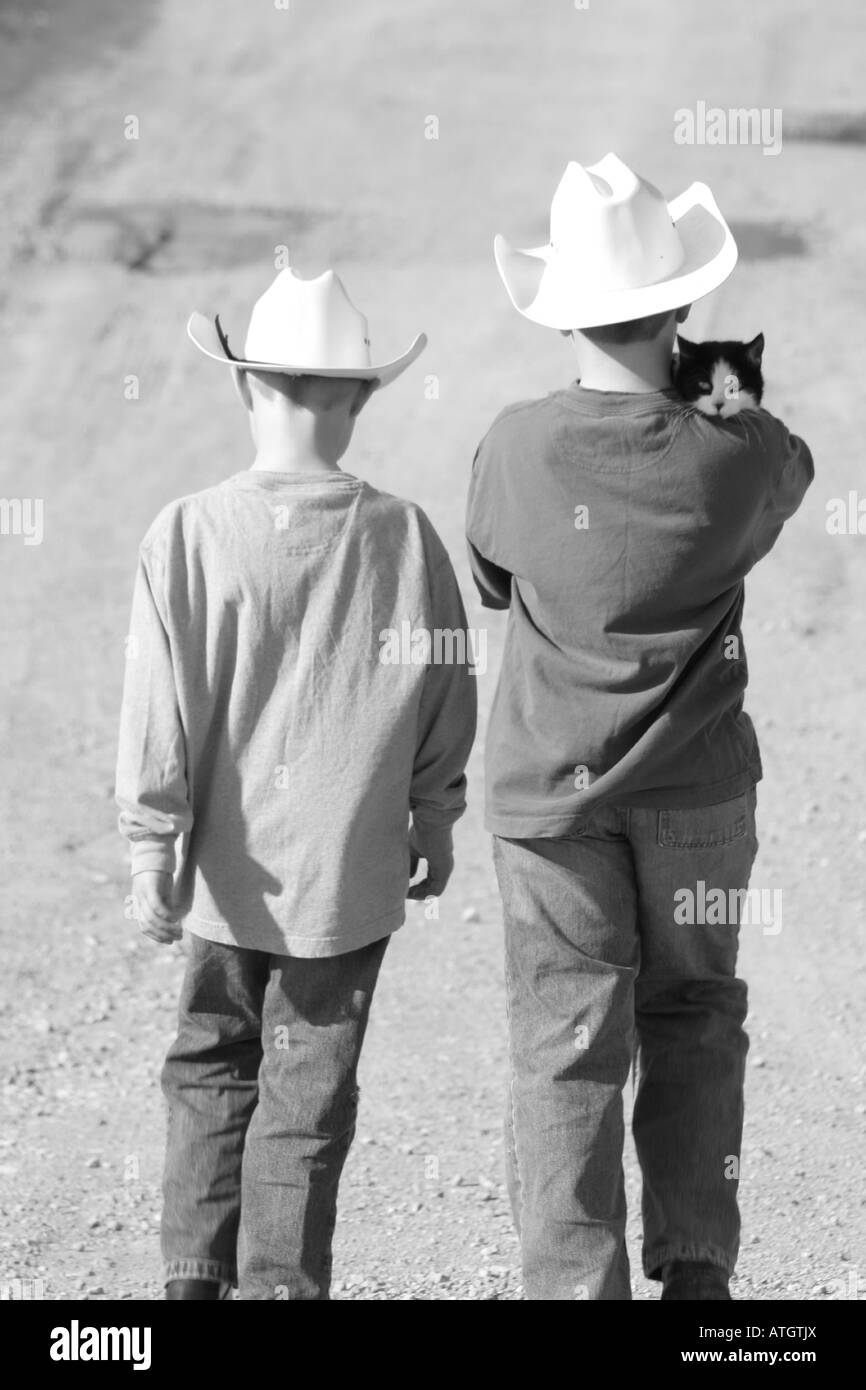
720	378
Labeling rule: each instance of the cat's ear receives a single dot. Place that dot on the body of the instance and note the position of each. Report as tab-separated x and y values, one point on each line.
755	350
686	348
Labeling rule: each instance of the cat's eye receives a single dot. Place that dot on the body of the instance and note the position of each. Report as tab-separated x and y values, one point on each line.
704	385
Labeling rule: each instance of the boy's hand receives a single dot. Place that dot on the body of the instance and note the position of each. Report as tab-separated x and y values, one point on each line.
436	846
151	896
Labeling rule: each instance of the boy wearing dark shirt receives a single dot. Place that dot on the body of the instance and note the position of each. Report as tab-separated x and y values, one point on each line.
617	524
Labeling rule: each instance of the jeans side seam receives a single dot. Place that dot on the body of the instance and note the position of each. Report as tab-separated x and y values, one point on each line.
513	1136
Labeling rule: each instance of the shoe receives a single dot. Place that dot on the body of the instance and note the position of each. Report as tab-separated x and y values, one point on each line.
199	1289
694	1281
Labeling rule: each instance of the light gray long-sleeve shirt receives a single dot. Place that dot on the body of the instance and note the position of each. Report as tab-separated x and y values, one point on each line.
283	711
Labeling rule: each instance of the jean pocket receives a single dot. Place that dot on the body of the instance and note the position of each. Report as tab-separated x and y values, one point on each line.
702	827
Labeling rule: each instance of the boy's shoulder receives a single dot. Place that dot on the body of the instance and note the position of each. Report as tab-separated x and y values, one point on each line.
762	426
518	427
518	413
400	520
755	438
171	520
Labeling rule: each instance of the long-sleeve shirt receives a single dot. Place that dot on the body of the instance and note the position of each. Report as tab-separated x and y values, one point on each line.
273	719
618	530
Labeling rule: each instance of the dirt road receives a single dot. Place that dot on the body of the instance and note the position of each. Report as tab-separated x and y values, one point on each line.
151	167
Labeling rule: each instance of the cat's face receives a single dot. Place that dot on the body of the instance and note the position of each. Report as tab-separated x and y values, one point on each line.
720	378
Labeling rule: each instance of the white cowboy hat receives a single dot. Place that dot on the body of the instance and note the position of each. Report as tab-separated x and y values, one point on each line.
617	250
304	327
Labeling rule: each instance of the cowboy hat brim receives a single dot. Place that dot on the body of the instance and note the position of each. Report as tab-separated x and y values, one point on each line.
544	288
206	335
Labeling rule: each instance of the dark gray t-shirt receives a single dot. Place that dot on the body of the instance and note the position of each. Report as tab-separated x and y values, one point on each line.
619	529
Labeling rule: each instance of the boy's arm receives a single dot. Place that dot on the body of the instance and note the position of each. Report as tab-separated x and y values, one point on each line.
491	580
446	730
151	786
795	471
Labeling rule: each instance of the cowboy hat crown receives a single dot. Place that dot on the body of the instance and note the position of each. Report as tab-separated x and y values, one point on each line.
615	225
301	327
617	250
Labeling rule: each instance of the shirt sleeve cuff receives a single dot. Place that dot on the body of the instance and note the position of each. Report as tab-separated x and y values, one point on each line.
152	854
436	830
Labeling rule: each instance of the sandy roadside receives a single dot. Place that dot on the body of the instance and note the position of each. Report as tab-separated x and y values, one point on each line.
240	137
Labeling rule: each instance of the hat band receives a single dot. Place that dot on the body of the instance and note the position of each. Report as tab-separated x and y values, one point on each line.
223	337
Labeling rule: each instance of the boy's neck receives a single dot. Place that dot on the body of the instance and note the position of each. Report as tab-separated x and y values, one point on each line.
633	368
295	443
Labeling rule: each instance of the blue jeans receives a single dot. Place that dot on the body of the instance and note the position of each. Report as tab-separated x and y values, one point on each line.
262	1094
598	969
